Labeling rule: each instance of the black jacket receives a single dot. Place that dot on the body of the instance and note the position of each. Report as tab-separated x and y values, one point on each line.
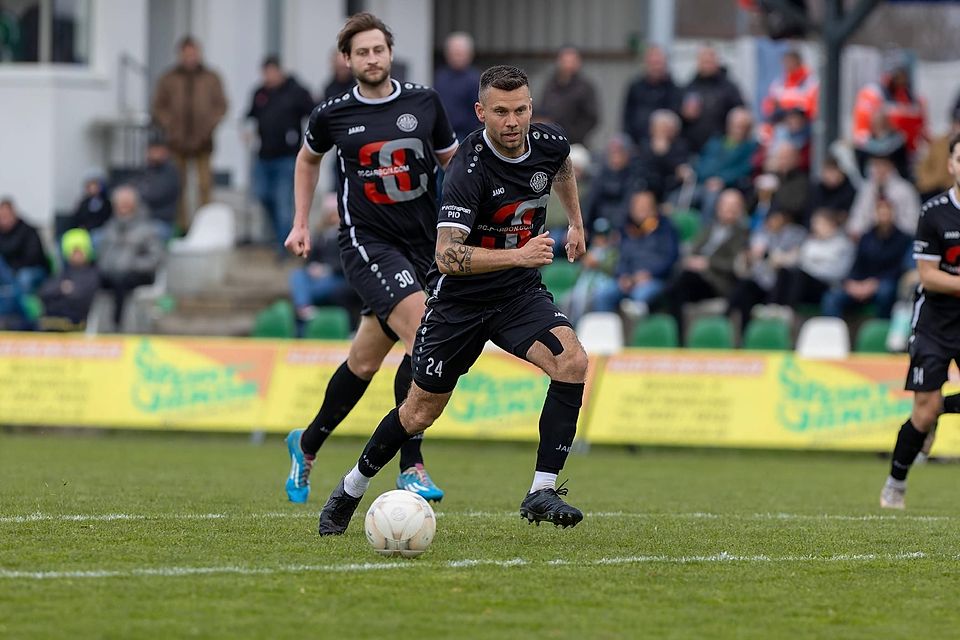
643	98
659	172
159	189
93	212
21	247
717	95
838	199
75	304
572	105
279	114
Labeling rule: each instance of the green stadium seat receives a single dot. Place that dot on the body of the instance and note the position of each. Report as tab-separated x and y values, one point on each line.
330	323
767	334
559	277
688	224
711	332
872	336
658	331
276	321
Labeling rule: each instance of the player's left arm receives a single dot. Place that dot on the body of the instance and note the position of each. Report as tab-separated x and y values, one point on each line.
565	184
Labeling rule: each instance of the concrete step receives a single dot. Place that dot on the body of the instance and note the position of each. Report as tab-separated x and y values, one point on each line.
236	324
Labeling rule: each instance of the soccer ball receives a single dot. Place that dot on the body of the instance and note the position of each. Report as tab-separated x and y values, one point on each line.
400	523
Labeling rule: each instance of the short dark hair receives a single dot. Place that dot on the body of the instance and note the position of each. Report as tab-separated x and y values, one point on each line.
954	141
187	41
272	60
7	201
358	23
504	77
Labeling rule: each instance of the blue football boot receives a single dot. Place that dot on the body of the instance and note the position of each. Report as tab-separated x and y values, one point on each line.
417	480
298	482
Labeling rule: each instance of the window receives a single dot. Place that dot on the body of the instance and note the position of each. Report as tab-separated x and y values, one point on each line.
56	31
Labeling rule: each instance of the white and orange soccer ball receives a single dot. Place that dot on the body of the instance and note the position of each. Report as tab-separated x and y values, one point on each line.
400	523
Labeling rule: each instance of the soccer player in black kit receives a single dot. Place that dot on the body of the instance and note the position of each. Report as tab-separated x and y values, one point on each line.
485	285
935	341
390	140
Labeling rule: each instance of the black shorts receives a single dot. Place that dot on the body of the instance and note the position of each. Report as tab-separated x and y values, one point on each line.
383	275
929	363
452	334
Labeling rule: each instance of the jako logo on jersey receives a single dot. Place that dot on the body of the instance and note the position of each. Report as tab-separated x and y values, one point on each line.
499	191
357	129
393	170
407	122
539	181
951	235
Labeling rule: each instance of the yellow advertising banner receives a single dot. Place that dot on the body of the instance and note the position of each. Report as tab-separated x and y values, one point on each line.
768	400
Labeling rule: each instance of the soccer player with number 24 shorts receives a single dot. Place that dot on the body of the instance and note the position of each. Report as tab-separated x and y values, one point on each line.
390	138
485	285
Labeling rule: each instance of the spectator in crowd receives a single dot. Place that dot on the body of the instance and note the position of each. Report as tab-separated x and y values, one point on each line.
278	106
188	104
883	140
932	174
796	90
341	78
765	186
876	269
649	248
652	91
662	154
708	272
707	100
903	197
94	208
597	268
832	190
773	247
612	185
557	221
725	161
321	282
12	313
570	98
794	128
793	193
457	83
67	297
130	251
158	185
895	95
825	259
21	248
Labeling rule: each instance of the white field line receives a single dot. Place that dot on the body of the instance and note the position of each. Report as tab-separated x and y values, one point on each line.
283	515
721	557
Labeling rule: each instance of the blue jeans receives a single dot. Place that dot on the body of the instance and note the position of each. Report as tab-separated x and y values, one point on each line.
306	290
608	295
273	186
837	301
30	278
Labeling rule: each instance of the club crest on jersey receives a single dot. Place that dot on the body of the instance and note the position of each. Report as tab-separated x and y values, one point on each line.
407	122
539	181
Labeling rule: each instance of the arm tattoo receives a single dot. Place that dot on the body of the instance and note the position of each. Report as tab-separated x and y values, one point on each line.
565	172
453	256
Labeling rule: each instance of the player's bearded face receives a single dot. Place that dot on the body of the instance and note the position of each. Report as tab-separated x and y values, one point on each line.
370	58
506	117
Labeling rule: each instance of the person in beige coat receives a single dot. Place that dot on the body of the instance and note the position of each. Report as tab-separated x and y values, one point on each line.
188	104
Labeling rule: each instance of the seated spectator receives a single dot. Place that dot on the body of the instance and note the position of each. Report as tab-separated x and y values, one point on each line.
94	208
876	270
832	190
708	99
652	91
597	268
159	188
825	259
793	128
765	186
612	185
726	161
649	247
708	271
21	248
130	251
933	177
67	297
773	247
903	197
883	140
793	192
557	221
661	155
12	313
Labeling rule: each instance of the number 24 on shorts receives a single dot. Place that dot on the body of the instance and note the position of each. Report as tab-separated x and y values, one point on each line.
434	368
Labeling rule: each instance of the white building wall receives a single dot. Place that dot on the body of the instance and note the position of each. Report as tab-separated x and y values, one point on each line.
411	22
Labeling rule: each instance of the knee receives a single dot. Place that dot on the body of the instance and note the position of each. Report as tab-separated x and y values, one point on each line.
416	417
925	415
572	365
362	367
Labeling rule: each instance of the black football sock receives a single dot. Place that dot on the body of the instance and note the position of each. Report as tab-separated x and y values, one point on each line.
383	444
558	424
951	403
410	454
343	393
909	443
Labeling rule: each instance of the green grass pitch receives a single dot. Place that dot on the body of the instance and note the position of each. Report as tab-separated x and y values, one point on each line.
177	536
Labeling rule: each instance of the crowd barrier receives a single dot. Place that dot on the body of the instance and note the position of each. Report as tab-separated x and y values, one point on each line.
641	397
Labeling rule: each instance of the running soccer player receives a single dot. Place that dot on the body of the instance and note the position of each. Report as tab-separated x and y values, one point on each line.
936	328
485	285
390	139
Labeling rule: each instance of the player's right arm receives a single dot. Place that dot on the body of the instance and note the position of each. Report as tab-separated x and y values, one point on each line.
457	258
933	279
306	173
928	248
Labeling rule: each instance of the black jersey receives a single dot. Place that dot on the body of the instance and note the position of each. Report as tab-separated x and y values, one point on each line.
938	239
387	159
501	202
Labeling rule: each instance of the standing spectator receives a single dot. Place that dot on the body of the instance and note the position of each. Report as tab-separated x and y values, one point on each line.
21	248
793	193
652	91
895	95
832	190
570	98
457	83
94	208
796	90
876	269
902	195
341	78
708	271
158	185
279	107
662	154
612	184
130	252
707	100
67	297
933	177
188	105
825	259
